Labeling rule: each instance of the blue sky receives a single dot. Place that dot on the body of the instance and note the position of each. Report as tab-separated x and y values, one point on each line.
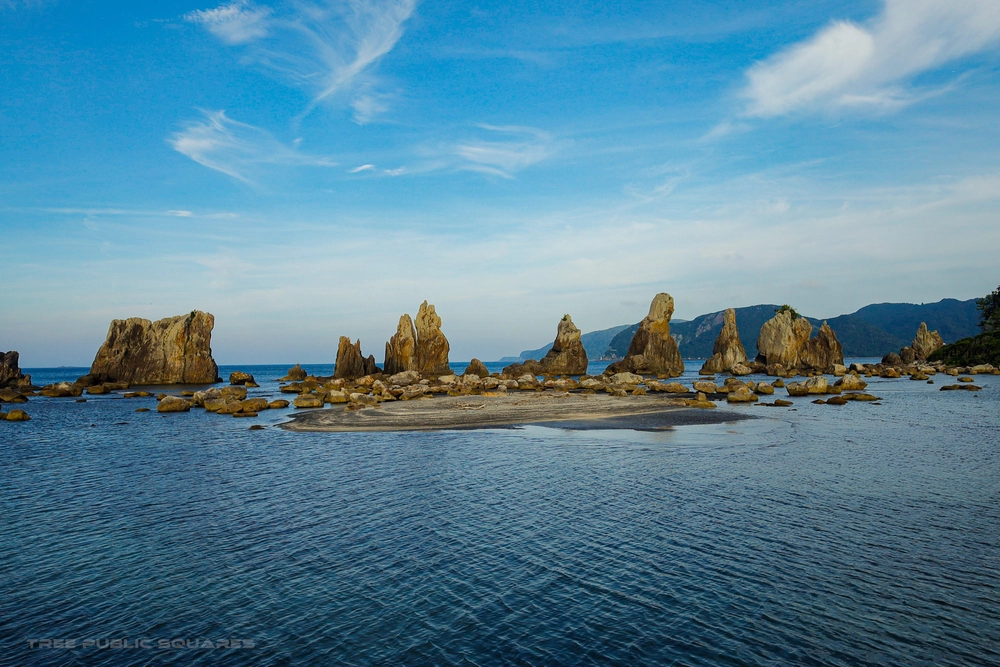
306	170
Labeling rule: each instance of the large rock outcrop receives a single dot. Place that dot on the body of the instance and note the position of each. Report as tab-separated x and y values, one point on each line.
653	350
728	350
350	363
566	357
432	346
10	371
926	342
174	350
401	350
784	341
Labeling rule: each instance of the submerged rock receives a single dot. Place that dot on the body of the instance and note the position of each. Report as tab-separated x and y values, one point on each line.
174	350
653	350
18	416
728	351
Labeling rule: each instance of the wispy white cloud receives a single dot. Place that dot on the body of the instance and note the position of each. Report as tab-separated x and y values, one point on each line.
871	66
327	48
237	149
514	149
359	169
235	23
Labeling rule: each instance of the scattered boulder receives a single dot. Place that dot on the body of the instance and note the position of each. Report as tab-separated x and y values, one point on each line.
18	416
308	401
653	350
926	342
741	395
432	346
476	368
892	359
625	378
404	378
958	387
401	350
851	383
11	395
350	363
278	404
174	350
764	389
728	351
907	356
241	378
62	390
174	404
705	386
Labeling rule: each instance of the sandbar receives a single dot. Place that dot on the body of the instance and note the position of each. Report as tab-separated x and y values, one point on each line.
554	409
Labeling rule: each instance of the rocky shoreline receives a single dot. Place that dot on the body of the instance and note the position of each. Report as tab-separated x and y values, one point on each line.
554	389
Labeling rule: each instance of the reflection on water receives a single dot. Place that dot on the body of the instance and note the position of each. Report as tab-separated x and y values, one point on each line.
839	535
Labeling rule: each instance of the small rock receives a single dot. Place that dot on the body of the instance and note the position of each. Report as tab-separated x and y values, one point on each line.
18	416
308	401
278	404
257	427
836	400
142	409
173	404
782	403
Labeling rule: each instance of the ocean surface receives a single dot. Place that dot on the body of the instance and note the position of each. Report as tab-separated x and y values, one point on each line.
823	535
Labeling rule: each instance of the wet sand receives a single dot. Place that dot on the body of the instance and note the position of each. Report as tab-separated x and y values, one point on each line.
557	410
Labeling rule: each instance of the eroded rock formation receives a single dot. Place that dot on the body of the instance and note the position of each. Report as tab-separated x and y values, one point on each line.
10	372
567	356
432	346
174	350
401	350
728	351
784	341
926	342
653	350
350	363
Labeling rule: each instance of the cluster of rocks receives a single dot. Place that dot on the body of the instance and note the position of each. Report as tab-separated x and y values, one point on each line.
924	344
422	348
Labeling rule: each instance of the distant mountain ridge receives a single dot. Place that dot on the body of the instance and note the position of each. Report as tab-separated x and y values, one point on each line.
872	331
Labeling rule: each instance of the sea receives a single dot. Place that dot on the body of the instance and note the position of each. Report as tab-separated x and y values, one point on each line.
864	534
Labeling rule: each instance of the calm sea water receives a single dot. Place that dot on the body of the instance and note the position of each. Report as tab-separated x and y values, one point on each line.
826	535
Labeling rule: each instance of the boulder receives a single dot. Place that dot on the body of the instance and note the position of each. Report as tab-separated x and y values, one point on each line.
233	393
477	368
174	350
18	416
62	390
784	340
277	404
308	401
174	404
741	395
764	389
404	379
817	385
705	386
241	378
728	351
295	374
350	363
10	372
653	350
432	346
625	378
567	356
401	350
926	342
892	359
851	383
907	356
11	395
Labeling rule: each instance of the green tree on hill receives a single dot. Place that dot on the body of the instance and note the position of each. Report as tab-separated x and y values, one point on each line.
989	311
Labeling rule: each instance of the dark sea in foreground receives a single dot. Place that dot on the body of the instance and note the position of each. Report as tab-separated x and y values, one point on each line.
824	535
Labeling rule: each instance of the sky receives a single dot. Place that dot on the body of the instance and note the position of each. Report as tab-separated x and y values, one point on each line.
309	169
